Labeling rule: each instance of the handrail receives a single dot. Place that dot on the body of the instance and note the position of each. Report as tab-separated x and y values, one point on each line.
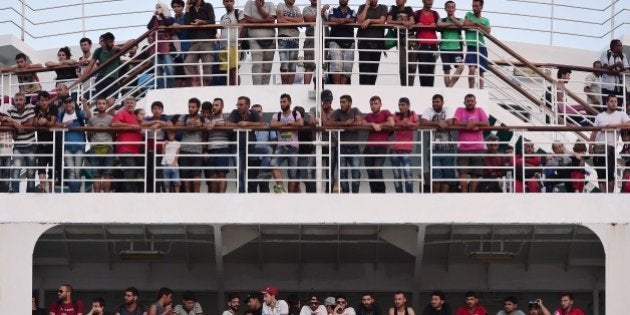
560	65
534	99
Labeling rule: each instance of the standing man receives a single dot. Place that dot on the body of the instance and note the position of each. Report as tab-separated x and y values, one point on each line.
180	37
198	13
262	43
130	303
155	138
368	305
402	15
310	14
218	148
347	116
341	51
22	115
441	117
603	143
101	147
234	303
288	145
510	307
406	122
289	39
437	305
191	152
472	306
566	306
371	47
451	44
476	52
28	81
108	75
45	116
244	117
376	146
128	143
229	41
616	61
593	85
470	141
427	42
84	61
65	305
400	305
329	153
164	304
272	305
189	305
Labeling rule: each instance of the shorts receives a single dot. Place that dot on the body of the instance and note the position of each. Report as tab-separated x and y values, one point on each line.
104	163
474	162
439	164
341	59
218	161
193	162
472	55
228	58
288	51
171	176
102	88
605	165
451	59
309	53
283	153
44	154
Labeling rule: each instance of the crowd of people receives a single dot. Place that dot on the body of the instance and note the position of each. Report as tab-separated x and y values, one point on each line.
180	159
268	302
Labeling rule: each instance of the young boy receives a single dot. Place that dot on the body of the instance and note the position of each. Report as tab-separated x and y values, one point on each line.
169	161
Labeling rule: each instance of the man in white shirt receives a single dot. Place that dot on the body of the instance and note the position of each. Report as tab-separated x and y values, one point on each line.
313	307
616	61
272	305
234	303
341	306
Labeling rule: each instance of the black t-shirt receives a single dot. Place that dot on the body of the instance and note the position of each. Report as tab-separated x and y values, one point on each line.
45	136
398	15
251	116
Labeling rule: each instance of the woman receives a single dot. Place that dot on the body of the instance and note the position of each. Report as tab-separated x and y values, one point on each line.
63	57
165	70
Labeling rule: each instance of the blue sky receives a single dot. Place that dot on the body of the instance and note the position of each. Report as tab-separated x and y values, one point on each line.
127	19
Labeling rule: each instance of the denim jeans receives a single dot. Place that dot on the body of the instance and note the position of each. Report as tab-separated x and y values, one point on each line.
165	71
306	172
5	173
349	158
401	163
73	161
129	164
23	157
374	168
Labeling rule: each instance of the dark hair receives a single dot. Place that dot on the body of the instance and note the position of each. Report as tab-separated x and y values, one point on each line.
218	99
470	95
195	101
246	99
437	96
346	97
163	291
43	94
85	39
404	100
293	299
285	95
614	42
206	106
471	294
300	110
66	50
374	98
256	296
580	147
21	56
180	2
256	106
133	291
512	299
609	96
189	296
108	36
99	300
480	2
101	97
137	111
18	94
400	292
449	1
232	296
562	71
439	294
567	294
367	293
341	296
157	104
596	62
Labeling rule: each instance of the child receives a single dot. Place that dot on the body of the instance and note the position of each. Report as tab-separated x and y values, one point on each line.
169	161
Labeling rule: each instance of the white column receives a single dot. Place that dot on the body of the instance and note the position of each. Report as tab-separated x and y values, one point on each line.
17	242
616	241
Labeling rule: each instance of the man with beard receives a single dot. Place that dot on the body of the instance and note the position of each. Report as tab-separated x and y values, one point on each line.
108	75
234	303
189	305
164	304
368	305
254	303
313	307
370	48
98	307
288	144
400	305
45	116
437	305
130	306
65	305
218	149
198	12
101	147
472	306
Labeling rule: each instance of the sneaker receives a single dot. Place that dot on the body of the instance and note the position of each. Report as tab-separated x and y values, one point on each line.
278	189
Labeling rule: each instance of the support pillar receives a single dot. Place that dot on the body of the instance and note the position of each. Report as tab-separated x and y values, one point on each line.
17	242
218	257
422	228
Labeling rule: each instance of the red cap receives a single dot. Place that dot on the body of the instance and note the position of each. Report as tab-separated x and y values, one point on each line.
271	290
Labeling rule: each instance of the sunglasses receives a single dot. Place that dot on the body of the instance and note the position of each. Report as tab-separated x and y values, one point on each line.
59	291
340	302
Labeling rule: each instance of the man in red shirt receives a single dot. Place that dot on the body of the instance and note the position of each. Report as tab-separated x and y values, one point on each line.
376	147
472	306
66	305
427	43
566	306
129	144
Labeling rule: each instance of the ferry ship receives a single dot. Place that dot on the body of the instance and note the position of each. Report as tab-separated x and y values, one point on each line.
533	244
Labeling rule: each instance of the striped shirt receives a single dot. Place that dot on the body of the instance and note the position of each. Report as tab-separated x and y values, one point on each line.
218	136
24	138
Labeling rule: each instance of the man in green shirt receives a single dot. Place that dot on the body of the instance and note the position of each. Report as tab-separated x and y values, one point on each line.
476	52
451	44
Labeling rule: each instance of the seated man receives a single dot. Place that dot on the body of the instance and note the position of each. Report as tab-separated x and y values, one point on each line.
528	162
494	163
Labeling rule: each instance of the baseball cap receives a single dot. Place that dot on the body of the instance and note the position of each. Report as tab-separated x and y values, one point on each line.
327	95
271	290
329	301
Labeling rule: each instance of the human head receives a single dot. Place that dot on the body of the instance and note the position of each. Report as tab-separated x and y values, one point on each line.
108	40
437	300
21	60
64	53
163	8
178	6
611	103
254	301
326	99
217	106
62	90
188	300
510	304
285	102
19	99
471	299
258	108
64	292
229	5
101	104
269	294
557	147
313	303
342	301
477	6
193	106
43	97
130	104
616	46
492	142
242	104
375	104
345	102
373	3
86	44
437	102
289	2
528	146
367	300
299	109
234	302
165	295
343	3
98	306
427	4
68	105
597	64
566	301
157	108
450	7
400	299
206	109
470	101
131	296
508	149
140	114
403	105
564	74
580	147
